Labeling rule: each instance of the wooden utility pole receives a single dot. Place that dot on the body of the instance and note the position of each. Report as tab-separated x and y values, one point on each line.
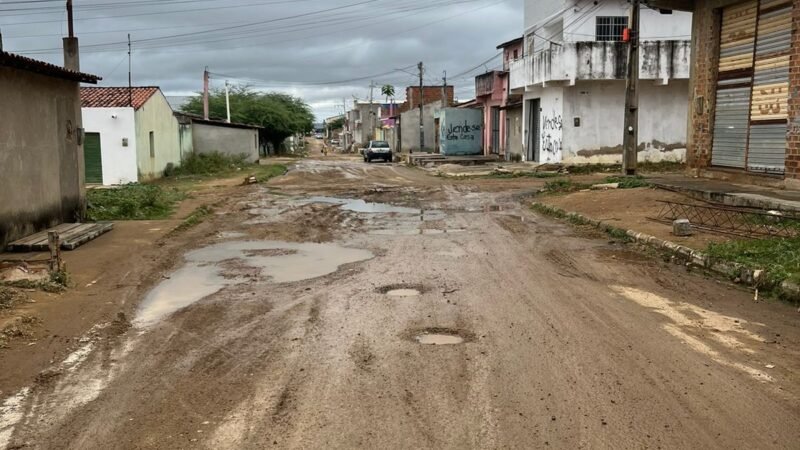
130	79
228	100
445	100
421	101
205	94
630	141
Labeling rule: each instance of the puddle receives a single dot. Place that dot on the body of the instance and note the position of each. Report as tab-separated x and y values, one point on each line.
361	206
230	235
403	293
204	274
439	339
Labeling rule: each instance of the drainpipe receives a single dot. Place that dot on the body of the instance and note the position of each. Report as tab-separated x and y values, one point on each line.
71	56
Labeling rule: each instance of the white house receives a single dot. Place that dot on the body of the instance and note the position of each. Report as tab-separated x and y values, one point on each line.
572	80
131	134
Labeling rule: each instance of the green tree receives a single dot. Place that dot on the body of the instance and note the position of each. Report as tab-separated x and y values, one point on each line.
388	91
279	115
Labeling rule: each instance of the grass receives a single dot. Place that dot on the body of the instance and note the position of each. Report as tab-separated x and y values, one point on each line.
564	185
208	164
194	219
132	202
779	257
649	167
628	182
581	221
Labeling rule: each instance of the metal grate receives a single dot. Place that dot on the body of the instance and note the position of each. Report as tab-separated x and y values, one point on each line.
610	28
737	221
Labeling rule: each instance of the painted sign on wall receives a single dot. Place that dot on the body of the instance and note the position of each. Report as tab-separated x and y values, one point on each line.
461	131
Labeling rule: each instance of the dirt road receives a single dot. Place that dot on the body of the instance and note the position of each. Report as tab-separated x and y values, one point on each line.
303	318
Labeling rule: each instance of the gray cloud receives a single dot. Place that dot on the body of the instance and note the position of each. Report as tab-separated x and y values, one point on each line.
343	44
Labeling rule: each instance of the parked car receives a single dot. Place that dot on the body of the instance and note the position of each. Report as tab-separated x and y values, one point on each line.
335	142
377	150
318	135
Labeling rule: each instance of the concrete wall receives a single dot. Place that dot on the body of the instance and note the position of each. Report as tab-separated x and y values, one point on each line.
461	131
581	26
41	162
156	115
119	161
227	140
409	122
550	124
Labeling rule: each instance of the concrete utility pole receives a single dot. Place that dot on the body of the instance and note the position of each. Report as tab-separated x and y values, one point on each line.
228	100
205	94
371	111
71	53
421	101
445	100
130	79
630	139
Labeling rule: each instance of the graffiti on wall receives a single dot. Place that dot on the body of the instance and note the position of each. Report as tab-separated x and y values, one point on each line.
463	132
552	125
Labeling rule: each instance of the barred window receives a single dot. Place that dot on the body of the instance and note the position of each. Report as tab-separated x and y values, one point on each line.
610	28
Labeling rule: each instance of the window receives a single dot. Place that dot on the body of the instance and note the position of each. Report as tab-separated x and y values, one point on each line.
610	28
152	145
516	55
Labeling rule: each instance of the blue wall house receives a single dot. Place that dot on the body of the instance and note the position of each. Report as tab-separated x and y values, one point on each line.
460	131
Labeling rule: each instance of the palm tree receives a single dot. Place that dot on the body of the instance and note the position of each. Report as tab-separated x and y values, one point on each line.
388	91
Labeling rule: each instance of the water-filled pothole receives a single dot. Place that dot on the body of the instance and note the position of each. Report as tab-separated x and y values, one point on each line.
441	336
402	290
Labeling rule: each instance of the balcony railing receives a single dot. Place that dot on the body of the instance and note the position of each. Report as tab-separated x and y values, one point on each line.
658	60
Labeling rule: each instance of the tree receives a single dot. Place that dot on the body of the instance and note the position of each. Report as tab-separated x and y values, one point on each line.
388	91
279	115
336	124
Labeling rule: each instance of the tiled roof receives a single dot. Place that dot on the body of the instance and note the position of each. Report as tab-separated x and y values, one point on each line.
116	97
43	68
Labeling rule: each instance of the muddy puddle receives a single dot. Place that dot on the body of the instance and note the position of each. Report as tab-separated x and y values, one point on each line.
361	206
210	269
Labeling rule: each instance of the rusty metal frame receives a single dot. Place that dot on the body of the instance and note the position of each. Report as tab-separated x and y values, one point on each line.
750	223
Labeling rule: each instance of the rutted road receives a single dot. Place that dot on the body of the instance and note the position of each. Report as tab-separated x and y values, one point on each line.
281	332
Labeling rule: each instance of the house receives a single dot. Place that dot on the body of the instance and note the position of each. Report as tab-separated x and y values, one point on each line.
460	131
361	123
407	128
493	97
204	136
41	144
131	134
745	89
572	81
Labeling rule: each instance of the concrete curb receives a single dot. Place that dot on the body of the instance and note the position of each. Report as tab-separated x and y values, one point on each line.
746	275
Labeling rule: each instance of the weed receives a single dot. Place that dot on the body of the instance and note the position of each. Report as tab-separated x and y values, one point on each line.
500	175
564	185
60	277
197	216
628	182
779	257
43	285
10	297
131	202
209	164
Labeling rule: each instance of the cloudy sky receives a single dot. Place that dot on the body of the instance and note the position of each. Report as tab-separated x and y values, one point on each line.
321	50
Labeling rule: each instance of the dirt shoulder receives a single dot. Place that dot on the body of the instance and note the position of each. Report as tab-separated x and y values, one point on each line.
107	278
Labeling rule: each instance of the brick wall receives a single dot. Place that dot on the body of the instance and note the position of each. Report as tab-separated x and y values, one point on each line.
793	137
430	94
706	25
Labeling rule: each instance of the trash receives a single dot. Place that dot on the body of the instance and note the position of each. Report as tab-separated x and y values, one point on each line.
755	296
770	366
251	180
681	227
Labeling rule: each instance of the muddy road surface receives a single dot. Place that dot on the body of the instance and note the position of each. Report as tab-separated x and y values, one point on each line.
348	305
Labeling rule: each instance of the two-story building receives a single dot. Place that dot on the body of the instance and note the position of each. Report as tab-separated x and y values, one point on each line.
493	96
572	80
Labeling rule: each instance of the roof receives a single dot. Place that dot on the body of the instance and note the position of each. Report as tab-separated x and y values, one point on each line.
219	123
514	41
116	97
33	65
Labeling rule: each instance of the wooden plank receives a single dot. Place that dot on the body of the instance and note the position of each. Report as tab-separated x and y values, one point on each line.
72	235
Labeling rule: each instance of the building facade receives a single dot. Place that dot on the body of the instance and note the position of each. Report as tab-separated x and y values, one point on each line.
201	136
572	82
745	89
41	146
132	134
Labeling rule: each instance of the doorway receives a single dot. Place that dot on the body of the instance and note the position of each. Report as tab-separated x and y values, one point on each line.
495	138
534	112
93	158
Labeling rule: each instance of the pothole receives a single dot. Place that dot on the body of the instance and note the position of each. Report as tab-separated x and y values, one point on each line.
441	336
402	290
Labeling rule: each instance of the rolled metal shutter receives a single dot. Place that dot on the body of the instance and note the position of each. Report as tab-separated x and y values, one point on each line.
770	97
734	85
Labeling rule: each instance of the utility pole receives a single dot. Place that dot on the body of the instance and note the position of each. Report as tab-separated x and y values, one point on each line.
130	79
1	40
345	125
205	93
445	100
421	101
371	111
70	25
630	139
227	100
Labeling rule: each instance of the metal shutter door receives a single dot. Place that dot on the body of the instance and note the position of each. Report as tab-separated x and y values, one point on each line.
768	114
734	86
93	159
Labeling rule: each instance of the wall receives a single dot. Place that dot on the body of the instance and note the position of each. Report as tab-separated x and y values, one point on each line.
600	105
581	21
119	162
551	121
461	131
409	123
42	164
227	140
157	116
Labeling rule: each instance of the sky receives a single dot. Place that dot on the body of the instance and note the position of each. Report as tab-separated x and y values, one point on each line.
324	51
